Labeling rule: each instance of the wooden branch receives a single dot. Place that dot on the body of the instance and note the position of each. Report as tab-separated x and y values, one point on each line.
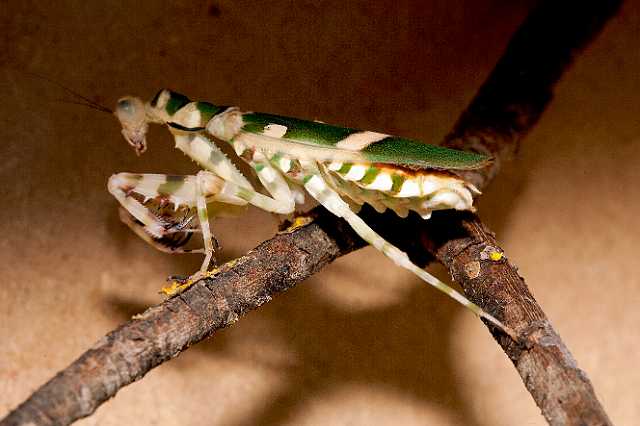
507	106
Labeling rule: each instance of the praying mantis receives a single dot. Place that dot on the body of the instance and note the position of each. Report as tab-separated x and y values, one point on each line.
341	168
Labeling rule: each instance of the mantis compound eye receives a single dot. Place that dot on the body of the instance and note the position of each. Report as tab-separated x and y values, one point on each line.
130	110
126	106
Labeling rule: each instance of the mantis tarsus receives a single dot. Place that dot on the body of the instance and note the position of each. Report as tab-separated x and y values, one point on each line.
342	168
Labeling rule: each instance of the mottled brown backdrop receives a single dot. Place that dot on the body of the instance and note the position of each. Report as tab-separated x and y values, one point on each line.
362	343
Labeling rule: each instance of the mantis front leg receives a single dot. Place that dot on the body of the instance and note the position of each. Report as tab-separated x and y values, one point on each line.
192	194
172	243
155	222
204	151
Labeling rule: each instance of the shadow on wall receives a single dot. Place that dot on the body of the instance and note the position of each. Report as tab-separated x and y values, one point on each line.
334	348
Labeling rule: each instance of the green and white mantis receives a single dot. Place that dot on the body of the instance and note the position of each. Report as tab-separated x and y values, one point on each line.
342	168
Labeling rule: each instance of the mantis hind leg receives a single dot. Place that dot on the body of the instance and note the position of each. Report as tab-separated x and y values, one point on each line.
328	198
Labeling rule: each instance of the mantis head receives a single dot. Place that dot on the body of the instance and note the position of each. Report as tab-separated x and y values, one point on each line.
133	117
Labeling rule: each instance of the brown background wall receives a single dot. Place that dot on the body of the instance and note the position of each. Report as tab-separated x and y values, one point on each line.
362	342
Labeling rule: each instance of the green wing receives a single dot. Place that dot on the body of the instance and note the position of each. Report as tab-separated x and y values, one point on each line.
324	141
388	149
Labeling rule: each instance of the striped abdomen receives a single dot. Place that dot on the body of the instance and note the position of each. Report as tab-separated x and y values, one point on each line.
387	186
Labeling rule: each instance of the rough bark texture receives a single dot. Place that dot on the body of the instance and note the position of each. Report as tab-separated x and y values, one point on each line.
562	391
507	106
162	332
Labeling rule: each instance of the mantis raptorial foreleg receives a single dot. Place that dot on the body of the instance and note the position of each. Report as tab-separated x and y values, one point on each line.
171	245
183	192
178	190
194	192
202	150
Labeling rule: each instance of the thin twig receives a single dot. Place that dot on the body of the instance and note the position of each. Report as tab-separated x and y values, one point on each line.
507	106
